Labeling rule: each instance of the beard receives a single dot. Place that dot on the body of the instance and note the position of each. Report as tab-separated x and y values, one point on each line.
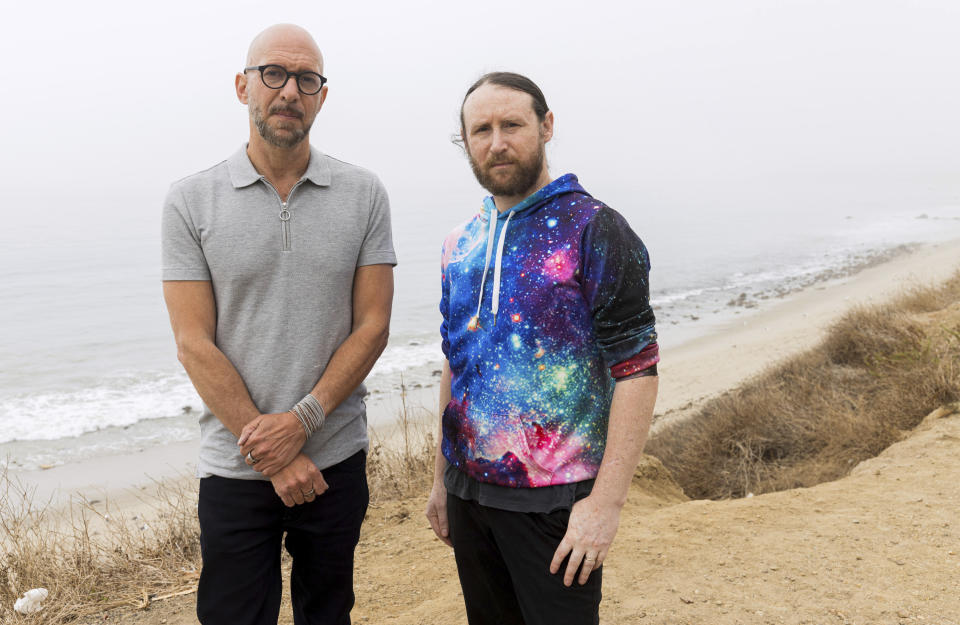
287	137
523	177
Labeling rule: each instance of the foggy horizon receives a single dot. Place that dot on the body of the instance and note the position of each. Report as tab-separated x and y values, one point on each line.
690	107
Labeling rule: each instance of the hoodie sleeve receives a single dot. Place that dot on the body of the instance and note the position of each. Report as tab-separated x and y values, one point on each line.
615	269
444	302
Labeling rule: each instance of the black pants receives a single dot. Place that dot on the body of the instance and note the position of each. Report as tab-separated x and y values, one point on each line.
503	559
242	523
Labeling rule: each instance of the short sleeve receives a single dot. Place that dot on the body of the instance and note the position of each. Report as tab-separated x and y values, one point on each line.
181	250
377	248
615	270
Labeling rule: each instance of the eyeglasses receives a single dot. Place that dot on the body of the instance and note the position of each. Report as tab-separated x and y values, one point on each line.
276	76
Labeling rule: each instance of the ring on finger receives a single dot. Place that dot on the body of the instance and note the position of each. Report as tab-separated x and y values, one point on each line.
309	492
251	459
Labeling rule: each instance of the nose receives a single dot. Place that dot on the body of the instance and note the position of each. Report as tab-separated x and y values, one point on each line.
498	141
290	91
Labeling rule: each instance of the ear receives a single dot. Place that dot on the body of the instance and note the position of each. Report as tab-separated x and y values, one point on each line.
546	126
323	97
240	83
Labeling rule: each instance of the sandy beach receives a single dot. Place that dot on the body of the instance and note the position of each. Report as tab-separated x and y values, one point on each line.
841	544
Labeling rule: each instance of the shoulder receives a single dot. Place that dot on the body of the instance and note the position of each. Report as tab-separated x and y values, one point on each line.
344	173
462	230
462	239
199	190
201	179
604	217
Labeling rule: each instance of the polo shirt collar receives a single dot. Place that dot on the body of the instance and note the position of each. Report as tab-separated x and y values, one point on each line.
243	173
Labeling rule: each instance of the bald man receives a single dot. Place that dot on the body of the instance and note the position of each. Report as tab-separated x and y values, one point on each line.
278	278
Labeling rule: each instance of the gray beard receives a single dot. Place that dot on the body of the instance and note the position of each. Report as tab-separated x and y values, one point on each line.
289	139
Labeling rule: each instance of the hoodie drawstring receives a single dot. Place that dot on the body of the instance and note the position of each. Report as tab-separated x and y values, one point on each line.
496	271
491	235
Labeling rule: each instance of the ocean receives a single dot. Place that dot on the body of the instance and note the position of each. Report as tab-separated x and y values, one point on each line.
88	365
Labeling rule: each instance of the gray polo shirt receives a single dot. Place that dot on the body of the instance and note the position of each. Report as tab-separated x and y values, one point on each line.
282	275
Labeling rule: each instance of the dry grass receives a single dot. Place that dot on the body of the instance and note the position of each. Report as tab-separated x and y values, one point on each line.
811	419
404	466
93	559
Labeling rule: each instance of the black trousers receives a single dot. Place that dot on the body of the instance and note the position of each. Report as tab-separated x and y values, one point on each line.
503	559
242	523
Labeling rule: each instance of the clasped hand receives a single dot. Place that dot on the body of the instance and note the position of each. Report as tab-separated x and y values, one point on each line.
272	441
299	482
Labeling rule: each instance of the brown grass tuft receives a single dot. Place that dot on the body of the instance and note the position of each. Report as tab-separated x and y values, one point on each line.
814	417
402	467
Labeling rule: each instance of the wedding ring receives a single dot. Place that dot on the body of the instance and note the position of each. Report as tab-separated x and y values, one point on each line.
309	492
251	459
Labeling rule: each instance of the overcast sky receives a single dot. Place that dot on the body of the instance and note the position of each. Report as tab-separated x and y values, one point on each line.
698	105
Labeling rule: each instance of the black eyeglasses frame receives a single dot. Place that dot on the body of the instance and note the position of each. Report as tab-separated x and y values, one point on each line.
296	75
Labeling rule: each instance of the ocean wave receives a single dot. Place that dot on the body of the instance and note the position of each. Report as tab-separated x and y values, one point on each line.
401	357
117	401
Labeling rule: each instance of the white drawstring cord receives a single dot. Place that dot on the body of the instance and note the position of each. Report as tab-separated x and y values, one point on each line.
496	270
475	322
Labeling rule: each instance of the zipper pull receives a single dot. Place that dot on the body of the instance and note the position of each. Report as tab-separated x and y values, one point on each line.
285	226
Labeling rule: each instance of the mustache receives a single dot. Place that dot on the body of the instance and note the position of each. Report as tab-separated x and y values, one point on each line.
286	110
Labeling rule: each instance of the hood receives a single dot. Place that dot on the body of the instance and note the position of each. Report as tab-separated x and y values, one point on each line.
566	183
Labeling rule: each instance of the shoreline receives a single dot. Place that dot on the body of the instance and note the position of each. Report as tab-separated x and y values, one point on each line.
691	372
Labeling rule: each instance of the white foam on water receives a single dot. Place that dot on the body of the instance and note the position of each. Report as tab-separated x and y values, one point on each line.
116	401
415	353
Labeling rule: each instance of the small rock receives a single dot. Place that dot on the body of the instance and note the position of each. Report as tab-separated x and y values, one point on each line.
685	600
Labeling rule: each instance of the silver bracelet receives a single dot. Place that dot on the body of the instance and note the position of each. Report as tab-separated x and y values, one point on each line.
310	414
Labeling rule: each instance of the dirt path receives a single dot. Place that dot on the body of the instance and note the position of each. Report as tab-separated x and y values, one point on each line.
881	546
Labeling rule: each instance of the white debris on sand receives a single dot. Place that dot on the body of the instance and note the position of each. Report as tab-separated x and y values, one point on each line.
31	601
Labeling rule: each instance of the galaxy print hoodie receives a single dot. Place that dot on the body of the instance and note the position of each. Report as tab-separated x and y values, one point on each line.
543	307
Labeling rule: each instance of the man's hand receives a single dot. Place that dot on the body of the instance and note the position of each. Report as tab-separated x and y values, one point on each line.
590	531
299	482
273	440
437	512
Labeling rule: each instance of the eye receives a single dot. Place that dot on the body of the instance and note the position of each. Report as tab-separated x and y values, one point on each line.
309	82
274	73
